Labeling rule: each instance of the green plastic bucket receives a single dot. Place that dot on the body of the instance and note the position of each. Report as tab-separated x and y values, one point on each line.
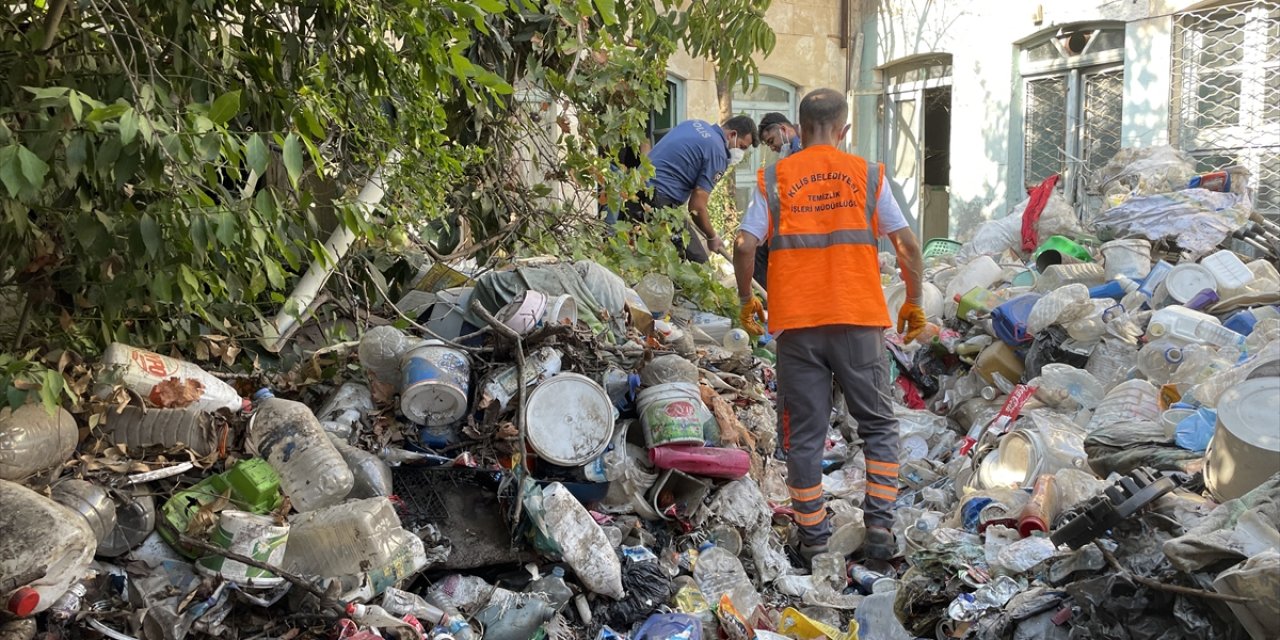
1059	250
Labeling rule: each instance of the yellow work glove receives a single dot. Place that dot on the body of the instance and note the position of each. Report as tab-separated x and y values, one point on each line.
910	321
752	316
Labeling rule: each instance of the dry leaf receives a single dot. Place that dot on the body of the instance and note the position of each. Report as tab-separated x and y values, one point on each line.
206	518
176	393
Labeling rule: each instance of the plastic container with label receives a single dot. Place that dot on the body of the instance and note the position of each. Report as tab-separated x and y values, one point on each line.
251	485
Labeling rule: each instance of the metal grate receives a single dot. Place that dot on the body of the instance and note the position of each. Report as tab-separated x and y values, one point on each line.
1103	108
1225	102
1046	125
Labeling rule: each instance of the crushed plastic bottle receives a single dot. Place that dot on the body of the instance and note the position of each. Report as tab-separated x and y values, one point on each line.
312	472
877	620
553	588
1159	360
33	440
689	599
403	603
1062	305
344	410
719	572
380	351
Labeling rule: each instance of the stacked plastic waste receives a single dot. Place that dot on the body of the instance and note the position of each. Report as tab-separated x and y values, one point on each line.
1090	447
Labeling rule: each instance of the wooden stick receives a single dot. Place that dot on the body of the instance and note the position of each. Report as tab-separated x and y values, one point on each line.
510	334
295	580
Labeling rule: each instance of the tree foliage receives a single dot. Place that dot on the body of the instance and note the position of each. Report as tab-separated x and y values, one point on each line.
167	168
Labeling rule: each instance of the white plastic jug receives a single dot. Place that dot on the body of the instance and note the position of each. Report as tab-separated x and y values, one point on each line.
1188	326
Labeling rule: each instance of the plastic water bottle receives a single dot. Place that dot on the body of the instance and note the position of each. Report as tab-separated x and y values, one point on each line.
402	603
737	342
91	502
380	351
371	476
32	441
137	428
1159	359
719	572
689	599
345	408
876	619
553	588
286	433
1050	308
370	615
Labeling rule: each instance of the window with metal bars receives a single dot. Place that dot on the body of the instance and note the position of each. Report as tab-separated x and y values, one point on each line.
1225	102
1073	79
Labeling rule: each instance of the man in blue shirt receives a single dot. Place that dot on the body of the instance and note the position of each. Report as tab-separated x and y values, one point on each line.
687	164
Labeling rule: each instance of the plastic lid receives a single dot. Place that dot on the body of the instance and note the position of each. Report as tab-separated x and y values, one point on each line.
569	419
1249	409
1185	281
263	394
557	572
1173	355
24	601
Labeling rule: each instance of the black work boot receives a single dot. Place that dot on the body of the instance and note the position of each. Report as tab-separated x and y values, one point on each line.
879	548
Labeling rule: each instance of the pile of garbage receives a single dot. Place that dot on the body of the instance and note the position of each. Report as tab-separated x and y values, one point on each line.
1090	432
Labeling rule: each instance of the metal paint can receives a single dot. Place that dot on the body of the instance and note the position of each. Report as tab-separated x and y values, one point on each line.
435	380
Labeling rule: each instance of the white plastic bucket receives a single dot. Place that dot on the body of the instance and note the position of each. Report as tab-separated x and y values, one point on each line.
1130	257
568	419
523	314
1245	450
563	310
673	413
435	380
252	535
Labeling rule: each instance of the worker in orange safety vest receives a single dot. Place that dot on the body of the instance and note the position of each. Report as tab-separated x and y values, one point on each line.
820	210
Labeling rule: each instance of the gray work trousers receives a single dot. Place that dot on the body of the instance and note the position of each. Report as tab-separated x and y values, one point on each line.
808	359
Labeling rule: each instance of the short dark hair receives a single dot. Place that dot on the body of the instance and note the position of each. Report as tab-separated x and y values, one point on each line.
823	107
772	119
743	126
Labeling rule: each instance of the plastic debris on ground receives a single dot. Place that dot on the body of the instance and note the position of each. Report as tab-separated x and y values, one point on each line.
1090	447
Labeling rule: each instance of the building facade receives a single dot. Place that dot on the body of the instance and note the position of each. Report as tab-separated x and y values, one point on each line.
971	102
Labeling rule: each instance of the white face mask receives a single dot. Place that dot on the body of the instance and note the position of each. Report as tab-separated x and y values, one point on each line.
785	150
736	155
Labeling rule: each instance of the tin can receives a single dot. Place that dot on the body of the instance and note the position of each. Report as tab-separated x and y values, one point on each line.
868	581
435	380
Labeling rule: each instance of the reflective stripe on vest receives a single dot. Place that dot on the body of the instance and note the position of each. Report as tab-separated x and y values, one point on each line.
867	236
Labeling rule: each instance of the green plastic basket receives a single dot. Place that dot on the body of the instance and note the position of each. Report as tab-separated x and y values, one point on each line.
938	247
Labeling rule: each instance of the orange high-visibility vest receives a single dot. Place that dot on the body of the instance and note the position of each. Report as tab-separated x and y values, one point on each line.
823	265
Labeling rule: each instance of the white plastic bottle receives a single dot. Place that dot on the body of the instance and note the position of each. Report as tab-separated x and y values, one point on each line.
286	433
369	615
553	587
141	370
403	603
719	572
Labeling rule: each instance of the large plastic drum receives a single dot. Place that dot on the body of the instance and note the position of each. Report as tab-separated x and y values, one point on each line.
1245	450
568	419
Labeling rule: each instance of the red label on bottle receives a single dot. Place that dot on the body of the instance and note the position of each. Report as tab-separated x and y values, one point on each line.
151	363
